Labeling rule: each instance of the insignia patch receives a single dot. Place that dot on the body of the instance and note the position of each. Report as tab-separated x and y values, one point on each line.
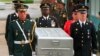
16	32
53	24
86	23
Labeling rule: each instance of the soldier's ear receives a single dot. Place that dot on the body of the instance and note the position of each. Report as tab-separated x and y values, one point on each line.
88	15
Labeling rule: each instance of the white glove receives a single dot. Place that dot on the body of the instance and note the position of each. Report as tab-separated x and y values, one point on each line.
11	55
33	53
94	55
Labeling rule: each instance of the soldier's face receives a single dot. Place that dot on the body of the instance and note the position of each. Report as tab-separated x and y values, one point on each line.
22	15
46	11
82	15
74	15
78	15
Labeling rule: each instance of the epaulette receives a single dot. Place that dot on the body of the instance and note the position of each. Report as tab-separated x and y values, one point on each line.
13	20
31	20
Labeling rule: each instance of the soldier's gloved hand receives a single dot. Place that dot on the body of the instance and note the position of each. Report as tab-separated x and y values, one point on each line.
94	55
73	52
11	55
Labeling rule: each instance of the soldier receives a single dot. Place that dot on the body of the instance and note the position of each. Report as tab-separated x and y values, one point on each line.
21	34
59	12
14	16
46	20
84	34
69	22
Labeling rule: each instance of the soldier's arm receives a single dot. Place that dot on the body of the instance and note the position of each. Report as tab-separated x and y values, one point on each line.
34	39
7	23
37	22
72	30
28	16
11	39
94	40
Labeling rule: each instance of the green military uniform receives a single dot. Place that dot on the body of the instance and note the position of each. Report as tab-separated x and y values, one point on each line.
16	39
21	35
14	16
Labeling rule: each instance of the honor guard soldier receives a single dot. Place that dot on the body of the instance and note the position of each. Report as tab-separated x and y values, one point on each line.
84	34
46	20
14	16
21	34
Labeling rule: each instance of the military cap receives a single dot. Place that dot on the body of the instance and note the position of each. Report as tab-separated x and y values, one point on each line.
22	8
82	8
45	5
18	1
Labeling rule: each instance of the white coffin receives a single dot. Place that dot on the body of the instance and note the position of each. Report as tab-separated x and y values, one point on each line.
53	42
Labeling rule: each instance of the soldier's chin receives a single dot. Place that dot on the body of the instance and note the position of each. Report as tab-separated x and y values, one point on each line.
23	19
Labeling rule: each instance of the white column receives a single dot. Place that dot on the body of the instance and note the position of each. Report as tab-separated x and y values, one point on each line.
94	7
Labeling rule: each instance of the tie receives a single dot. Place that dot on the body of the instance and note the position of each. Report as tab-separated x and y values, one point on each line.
82	25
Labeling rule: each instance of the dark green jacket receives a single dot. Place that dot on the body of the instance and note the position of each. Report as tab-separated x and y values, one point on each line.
15	34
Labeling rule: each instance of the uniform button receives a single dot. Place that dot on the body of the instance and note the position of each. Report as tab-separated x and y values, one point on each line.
82	33
40	23
82	37
88	33
82	41
88	36
42	19
82	44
